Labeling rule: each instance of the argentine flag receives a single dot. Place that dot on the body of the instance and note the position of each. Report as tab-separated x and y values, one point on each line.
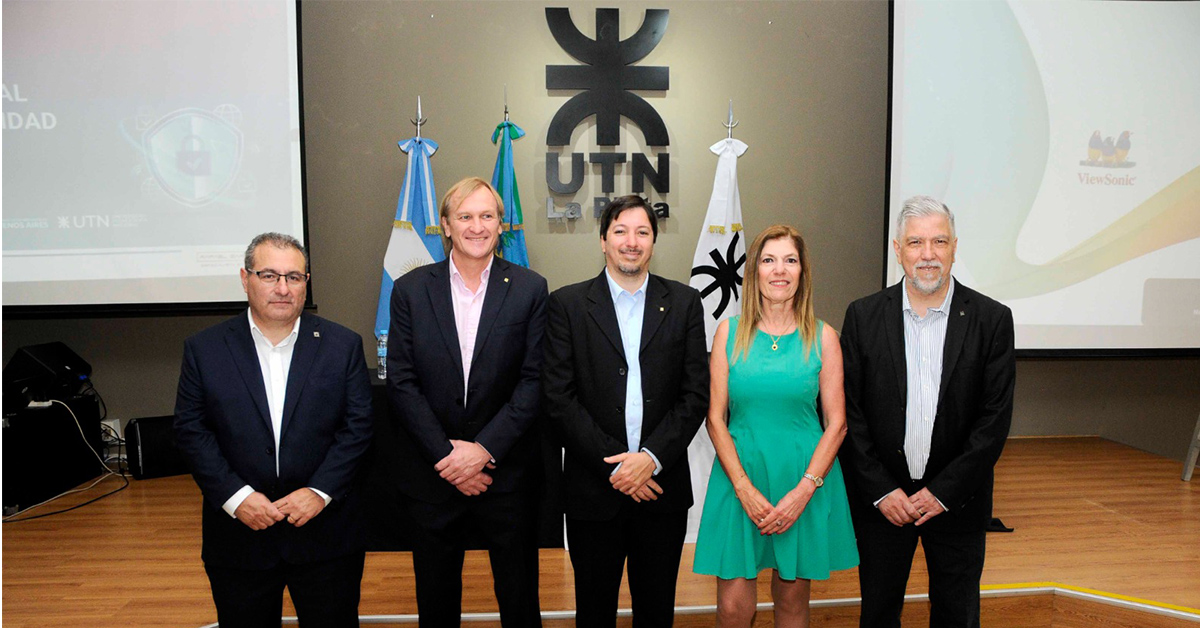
416	231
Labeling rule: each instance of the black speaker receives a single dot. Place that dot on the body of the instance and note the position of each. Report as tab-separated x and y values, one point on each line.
150	448
43	372
46	452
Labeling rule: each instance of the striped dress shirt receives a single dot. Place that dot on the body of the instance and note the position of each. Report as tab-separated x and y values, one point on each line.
924	343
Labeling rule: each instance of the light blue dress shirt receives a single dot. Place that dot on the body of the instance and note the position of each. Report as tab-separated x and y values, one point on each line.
631	310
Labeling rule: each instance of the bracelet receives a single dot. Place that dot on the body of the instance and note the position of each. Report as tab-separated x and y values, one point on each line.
815	479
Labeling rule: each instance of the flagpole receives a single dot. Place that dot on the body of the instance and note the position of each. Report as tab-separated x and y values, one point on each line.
420	121
731	123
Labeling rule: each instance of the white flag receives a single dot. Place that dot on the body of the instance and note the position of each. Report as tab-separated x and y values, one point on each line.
717	274
721	249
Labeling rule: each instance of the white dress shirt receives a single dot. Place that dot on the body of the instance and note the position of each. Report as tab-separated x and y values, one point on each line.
275	361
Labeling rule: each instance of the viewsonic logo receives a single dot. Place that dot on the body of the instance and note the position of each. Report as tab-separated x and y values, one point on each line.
606	80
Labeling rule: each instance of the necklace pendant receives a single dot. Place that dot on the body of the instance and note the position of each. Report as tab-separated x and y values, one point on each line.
774	346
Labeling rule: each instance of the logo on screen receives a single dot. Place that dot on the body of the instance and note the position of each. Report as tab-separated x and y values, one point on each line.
194	155
1106	152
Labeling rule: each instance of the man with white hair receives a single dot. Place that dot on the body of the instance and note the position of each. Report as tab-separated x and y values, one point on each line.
929	375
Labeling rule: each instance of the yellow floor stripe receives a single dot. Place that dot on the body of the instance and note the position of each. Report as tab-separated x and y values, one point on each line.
1115	596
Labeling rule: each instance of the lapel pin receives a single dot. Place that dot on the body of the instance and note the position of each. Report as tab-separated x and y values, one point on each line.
962	313
662	309
316	334
506	280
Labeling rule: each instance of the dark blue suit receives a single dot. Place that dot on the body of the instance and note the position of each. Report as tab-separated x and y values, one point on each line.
223	427
497	409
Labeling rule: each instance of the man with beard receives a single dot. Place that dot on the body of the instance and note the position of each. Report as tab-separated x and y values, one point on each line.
626	387
929	374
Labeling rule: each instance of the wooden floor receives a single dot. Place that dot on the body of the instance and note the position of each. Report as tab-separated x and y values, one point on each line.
1088	513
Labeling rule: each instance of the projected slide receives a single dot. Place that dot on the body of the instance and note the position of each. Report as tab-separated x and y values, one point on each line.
145	144
1065	136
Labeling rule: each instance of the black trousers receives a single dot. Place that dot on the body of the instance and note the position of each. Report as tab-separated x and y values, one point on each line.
325	593
953	555
653	543
507	523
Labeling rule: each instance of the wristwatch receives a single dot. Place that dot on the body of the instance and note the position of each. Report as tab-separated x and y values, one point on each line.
819	481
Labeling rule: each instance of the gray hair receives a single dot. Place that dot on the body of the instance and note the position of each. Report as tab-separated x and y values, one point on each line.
920	207
279	241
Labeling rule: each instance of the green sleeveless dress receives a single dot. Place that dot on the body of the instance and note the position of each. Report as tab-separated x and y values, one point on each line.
774	425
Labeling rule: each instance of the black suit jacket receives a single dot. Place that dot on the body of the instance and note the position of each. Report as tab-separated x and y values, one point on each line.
425	379
974	408
585	376
223	428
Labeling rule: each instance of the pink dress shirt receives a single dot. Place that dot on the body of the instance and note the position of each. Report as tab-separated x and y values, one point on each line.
468	307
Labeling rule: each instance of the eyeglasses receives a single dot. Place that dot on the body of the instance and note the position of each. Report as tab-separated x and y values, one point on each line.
270	277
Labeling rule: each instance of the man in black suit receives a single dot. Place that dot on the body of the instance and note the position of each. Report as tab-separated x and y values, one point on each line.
626	388
930	368
273	415
464	352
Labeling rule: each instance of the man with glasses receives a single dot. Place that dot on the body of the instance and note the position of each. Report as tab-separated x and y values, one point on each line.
273	414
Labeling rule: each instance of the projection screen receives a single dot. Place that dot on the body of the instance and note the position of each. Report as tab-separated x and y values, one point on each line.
1065	136
145	144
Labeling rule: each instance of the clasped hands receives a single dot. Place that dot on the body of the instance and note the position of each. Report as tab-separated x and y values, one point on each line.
775	519
635	476
298	508
464	467
901	509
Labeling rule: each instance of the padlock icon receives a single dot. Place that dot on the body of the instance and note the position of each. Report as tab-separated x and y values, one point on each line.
193	157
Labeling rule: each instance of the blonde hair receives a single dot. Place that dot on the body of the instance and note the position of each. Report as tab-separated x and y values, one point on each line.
455	196
802	306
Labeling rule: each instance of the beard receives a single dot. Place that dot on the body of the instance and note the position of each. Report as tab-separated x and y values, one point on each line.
927	287
629	269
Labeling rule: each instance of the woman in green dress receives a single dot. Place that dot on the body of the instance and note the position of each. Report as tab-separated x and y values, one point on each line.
776	499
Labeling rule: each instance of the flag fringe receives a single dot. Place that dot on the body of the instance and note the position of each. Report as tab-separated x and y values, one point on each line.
508	227
432	230
402	224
